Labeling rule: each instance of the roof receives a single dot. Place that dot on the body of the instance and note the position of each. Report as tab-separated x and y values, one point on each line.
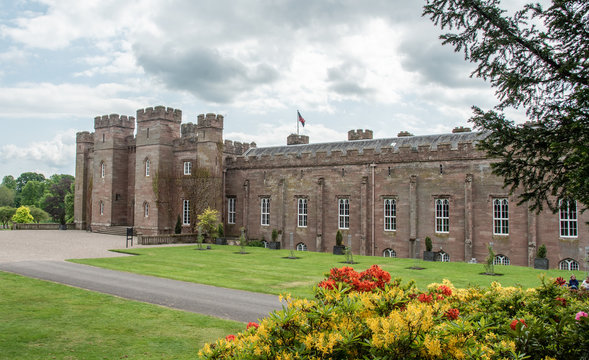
359	145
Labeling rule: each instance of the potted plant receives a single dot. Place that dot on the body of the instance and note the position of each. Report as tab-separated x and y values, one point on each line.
220	239
178	228
541	262
428	254
339	248
274	244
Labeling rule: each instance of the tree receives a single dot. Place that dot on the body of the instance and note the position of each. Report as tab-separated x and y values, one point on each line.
32	193
69	205
22	216
6	214
208	221
6	196
39	215
25	177
9	182
536	60
54	200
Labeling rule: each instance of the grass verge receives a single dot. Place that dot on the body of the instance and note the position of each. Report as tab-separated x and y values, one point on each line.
44	320
270	271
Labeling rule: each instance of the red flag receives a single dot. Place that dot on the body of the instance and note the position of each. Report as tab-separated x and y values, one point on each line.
301	118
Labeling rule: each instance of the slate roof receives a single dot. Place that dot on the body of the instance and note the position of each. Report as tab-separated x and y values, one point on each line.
407	141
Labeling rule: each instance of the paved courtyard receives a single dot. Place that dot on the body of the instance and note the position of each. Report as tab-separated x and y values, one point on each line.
41	254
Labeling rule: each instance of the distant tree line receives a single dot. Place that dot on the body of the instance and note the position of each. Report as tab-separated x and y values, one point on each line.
47	199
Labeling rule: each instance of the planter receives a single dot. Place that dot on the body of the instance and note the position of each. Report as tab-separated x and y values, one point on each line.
62	227
339	250
429	255
221	241
541	263
274	245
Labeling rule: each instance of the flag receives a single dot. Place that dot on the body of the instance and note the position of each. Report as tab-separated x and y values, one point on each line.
301	118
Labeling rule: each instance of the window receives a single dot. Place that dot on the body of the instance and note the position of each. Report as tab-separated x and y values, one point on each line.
187	168
102	169
147	163
501	260
186	212
500	217
389	253
568	218
146	210
231	210
568	264
265	211
301	247
101	208
443	256
442	215
302	213
390	215
265	243
344	214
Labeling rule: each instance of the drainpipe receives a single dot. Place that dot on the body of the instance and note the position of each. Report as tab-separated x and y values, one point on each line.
372	166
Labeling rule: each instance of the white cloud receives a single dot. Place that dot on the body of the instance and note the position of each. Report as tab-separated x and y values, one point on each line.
54	153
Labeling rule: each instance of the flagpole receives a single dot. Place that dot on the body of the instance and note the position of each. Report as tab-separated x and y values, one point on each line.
297	122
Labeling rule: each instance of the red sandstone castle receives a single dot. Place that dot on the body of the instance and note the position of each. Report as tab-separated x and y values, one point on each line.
384	195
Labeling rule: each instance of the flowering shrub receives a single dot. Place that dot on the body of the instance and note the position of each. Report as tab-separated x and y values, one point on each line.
366	315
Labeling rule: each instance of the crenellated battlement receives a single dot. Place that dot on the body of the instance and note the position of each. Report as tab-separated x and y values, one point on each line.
159	113
296	139
236	147
111	120
84	137
188	130
360	134
460	129
210	120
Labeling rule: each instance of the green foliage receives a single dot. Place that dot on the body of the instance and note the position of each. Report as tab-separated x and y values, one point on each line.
208	221
255	243
7	196
339	238
6	214
39	215
428	244
537	60
23	216
274	235
59	186
541	253
9	182
69	205
25	177
490	261
220	231
32	193
178	227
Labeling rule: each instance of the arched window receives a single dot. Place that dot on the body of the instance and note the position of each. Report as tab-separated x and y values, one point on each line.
101	207
568	264
102	169
443	256
147	164
146	209
265	244
389	253
301	247
501	260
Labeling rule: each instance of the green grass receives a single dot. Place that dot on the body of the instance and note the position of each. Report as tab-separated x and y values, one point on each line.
267	271
44	320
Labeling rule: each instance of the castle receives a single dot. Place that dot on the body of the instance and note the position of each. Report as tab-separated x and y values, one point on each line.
385	195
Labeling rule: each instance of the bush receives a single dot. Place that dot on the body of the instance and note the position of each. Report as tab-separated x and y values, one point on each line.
178	228
339	238
428	244
220	231
366	315
255	243
23	216
541	252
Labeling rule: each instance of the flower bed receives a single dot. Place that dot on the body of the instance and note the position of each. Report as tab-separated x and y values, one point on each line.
366	315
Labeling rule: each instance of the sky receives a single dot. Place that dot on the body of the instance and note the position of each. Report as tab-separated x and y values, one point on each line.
344	64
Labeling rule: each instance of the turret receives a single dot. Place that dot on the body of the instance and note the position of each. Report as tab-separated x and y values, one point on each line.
360	135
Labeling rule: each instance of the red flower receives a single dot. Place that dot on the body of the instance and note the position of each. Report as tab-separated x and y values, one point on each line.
513	324
425	298
445	290
230	337
252	324
440	297
560	281
563	301
452	314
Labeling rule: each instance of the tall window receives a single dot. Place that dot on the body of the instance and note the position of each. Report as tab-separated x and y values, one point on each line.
101	208
231	210
187	168
344	213
102	169
146	210
265	211
302	213
500	217
147	163
186	212
442	215
390	215
568	218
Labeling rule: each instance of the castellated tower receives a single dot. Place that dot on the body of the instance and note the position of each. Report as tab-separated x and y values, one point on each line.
209	149
84	171
109	178
157	128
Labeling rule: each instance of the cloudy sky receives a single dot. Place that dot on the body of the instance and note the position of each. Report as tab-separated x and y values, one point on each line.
345	64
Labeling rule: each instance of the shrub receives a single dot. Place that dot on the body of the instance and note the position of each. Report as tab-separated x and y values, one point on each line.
23	216
220	231
366	315
339	238
541	252
178	228
428	244
274	235
255	243
208	220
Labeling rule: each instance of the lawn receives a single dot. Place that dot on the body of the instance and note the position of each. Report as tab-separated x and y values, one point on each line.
44	320
269	271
